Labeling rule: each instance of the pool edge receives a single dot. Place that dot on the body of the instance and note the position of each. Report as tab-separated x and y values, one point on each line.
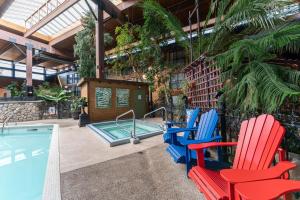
111	142
52	178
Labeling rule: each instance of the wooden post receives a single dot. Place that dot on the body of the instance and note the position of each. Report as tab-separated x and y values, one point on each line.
191	39
29	66
99	41
29	70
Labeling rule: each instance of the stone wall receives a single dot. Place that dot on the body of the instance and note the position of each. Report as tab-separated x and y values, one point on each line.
22	110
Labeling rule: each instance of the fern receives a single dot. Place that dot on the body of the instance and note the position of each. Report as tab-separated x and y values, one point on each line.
248	40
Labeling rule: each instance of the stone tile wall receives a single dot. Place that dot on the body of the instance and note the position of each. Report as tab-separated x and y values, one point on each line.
21	110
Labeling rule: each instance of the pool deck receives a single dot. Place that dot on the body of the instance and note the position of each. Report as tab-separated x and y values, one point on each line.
81	147
92	170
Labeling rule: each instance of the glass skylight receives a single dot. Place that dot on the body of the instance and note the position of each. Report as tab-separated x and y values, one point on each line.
21	10
67	18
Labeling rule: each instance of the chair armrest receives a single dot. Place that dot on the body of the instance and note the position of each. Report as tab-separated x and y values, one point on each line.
199	149
173	123
188	142
211	144
240	176
267	189
178	130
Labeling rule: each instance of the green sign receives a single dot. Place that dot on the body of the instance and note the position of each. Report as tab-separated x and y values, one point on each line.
103	97
122	97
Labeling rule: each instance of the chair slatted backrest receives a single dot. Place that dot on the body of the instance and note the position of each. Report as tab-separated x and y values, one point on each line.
207	125
259	139
191	120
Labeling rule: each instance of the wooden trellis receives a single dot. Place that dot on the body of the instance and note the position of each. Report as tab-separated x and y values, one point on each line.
204	82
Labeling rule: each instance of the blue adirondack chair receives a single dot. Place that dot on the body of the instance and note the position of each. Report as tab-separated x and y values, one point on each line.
192	115
207	132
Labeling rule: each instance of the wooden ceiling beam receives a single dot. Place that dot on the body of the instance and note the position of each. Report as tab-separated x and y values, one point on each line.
112	10
122	6
17	39
20	40
20	58
5	48
15	28
195	26
66	35
48	18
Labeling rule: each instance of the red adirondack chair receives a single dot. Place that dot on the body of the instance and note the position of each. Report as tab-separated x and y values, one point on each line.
266	189
259	139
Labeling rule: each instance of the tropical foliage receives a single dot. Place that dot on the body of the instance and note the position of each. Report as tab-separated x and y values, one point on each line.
52	93
160	25
77	103
15	89
141	47
85	49
248	43
128	53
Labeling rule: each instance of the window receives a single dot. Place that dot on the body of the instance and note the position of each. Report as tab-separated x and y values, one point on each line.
20	66
20	74
177	80
50	71
5	64
72	78
38	69
38	77
5	72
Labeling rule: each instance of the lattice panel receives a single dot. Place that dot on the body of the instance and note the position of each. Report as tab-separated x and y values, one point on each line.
204	84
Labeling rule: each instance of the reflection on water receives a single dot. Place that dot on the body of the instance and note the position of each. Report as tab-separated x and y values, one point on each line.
23	161
124	128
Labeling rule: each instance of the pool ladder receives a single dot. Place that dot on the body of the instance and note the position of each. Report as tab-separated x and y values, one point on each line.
156	110
7	117
135	140
133	131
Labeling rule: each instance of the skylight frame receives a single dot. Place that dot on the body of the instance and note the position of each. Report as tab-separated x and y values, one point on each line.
67	18
36	10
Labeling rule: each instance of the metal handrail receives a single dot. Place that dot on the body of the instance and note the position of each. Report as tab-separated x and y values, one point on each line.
133	134
5	121
158	109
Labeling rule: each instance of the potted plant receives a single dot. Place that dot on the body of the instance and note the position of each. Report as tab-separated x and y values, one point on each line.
75	107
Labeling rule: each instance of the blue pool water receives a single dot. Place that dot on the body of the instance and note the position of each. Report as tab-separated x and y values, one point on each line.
120	133
23	162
